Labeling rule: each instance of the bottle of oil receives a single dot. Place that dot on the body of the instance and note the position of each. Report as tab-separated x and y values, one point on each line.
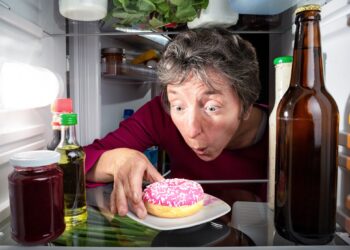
307	142
72	162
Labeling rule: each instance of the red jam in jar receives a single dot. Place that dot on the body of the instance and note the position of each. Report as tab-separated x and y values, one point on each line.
36	197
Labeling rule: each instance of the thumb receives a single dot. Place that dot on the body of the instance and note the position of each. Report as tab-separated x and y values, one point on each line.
152	175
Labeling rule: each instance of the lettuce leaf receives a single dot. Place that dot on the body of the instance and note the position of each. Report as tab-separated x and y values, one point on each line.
155	13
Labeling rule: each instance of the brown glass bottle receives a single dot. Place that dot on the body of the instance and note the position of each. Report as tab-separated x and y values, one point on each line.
307	142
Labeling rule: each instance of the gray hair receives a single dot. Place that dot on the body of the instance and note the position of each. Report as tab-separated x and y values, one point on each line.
196	51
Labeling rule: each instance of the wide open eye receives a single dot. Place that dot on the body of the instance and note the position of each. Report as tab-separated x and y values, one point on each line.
211	108
176	108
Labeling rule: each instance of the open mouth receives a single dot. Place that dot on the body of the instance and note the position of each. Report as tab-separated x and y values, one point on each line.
200	150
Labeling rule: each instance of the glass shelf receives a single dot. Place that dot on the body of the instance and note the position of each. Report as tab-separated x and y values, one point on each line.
129	73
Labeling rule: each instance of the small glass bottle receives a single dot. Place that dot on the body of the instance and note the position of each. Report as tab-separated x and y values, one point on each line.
283	68
127	113
72	162
59	106
36	197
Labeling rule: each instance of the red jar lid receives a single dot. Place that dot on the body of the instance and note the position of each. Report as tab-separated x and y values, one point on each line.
62	105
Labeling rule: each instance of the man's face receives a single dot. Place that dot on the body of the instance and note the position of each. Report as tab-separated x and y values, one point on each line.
206	118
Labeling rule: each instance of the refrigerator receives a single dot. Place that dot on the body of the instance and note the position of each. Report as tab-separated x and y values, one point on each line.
36	37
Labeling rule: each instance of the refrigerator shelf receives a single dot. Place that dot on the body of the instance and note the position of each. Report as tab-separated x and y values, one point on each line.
343	219
344	162
128	73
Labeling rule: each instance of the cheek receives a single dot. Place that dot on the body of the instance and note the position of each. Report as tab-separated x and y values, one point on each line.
174	118
227	127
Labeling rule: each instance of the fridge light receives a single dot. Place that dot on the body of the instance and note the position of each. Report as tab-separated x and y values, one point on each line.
23	86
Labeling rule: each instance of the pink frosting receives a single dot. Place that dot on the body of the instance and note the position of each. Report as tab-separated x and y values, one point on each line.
173	192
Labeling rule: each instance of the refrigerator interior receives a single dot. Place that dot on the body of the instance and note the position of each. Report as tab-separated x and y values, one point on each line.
33	32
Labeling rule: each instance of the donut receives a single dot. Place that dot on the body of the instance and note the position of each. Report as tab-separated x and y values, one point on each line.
173	198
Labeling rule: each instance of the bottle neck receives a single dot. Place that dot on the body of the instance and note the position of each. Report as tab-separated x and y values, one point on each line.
56	127
307	68
68	136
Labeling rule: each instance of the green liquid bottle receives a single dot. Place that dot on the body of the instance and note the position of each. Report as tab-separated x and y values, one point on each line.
72	162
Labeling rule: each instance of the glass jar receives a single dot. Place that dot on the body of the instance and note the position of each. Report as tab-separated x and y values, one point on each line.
36	197
111	59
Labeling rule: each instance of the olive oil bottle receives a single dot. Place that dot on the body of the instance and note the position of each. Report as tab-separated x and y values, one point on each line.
72	163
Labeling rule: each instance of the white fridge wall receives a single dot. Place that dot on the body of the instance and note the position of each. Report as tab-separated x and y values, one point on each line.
27	129
114	102
100	101
84	82
117	96
335	32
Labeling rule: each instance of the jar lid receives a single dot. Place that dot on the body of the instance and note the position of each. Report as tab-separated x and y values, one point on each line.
61	105
308	8
37	158
69	119
282	59
113	50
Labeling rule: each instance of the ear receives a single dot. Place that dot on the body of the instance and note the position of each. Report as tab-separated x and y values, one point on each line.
246	114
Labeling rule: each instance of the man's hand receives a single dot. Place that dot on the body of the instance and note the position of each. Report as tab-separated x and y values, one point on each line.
127	168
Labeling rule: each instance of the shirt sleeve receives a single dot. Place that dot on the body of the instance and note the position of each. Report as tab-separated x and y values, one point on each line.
140	131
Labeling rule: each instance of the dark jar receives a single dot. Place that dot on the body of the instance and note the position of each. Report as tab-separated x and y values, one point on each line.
36	197
112	59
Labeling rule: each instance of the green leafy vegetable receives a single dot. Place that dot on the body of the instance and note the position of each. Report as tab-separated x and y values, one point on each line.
155	13
98	231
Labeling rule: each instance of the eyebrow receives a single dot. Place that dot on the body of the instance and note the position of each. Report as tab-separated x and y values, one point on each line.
213	92
208	92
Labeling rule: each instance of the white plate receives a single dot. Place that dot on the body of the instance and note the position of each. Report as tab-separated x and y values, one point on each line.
212	209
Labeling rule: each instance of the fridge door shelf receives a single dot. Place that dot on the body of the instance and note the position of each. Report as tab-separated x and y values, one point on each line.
128	73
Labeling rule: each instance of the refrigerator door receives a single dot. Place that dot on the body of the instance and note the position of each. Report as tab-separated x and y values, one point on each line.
25	42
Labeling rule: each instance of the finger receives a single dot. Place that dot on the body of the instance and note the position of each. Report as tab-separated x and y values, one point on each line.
135	201
126	187
139	209
135	184
121	201
152	175
113	201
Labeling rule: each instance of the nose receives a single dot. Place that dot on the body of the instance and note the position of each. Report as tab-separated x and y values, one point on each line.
194	123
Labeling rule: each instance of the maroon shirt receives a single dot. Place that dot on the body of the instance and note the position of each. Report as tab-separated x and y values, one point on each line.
151	125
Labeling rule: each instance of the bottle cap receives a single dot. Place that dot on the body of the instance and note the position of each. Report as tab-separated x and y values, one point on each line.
37	158
113	50
127	113
69	119
62	105
282	59
308	8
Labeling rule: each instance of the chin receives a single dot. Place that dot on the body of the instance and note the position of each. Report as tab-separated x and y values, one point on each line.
207	157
